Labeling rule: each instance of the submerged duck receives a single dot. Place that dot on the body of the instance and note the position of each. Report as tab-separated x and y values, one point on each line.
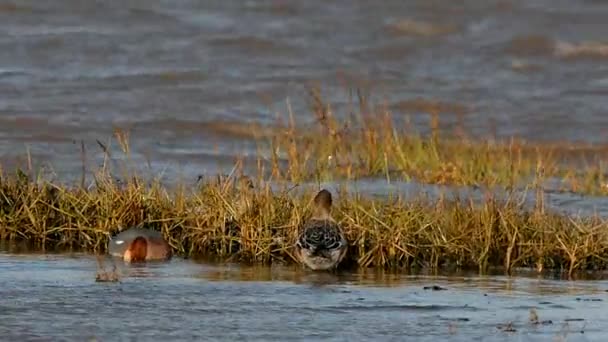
138	245
321	244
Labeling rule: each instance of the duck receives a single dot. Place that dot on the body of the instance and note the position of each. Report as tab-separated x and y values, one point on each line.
321	244
140	245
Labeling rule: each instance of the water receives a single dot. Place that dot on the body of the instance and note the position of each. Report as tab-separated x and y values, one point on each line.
171	71
555	200
55	297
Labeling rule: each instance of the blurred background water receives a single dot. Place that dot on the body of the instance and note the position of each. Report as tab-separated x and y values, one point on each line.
171	72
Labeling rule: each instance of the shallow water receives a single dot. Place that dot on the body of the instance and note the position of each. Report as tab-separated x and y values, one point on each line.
55	296
554	199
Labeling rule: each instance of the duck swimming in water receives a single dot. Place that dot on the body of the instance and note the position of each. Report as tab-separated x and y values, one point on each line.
321	244
138	245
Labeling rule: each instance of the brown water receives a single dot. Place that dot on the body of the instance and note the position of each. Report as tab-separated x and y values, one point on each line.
170	71
55	297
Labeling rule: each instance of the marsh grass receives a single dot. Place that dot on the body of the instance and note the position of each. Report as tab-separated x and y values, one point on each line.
374	142
243	219
230	219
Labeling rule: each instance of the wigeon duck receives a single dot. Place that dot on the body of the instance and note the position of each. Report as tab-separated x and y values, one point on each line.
138	245
321	244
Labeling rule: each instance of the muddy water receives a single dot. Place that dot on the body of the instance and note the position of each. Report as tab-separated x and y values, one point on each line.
72	70
55	297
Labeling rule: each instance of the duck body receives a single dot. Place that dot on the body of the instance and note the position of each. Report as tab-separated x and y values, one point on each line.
321	244
139	244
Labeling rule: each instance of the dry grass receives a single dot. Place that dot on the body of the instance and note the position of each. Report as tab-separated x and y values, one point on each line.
374	143
229	219
259	225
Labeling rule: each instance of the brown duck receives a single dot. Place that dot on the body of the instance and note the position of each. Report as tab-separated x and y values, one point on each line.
321	244
138	245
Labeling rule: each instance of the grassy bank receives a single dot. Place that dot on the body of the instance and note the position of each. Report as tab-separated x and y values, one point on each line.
229	220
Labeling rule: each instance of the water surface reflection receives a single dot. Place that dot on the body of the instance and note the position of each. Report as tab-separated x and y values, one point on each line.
55	296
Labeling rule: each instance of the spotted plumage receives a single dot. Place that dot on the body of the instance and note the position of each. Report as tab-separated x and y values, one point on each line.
321	244
321	235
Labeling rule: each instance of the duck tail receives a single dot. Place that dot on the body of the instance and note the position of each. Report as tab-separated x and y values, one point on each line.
322	252
315	251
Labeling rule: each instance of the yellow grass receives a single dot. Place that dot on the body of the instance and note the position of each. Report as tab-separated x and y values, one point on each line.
233	220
